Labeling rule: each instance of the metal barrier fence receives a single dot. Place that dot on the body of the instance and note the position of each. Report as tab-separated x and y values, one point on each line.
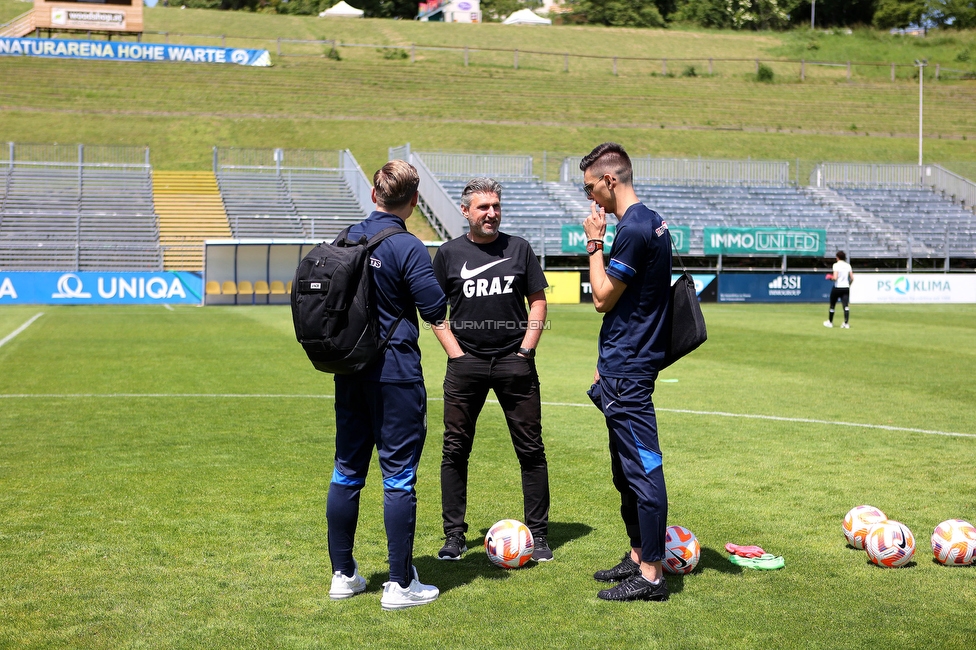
74	154
353	174
227	158
690	171
935	177
468	165
443	213
954	187
667	66
867	175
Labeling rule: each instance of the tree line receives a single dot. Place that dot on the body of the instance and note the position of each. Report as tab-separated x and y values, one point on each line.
727	14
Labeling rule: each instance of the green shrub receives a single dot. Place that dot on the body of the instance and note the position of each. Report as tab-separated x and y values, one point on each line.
689	71
764	74
393	53
333	54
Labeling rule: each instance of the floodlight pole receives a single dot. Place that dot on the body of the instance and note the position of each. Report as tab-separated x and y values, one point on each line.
813	12
921	75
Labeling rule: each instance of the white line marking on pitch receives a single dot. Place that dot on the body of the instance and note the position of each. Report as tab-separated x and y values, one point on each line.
168	307
723	414
10	337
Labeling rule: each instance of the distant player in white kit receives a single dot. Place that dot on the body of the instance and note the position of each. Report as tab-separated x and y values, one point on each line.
842	275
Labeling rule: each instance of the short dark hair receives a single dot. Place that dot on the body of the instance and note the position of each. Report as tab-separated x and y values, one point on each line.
395	183
842	256
480	185
609	157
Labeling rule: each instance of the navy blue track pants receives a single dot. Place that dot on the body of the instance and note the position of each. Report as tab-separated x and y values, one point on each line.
392	417
635	460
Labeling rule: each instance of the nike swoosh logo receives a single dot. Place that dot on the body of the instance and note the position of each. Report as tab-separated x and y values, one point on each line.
467	274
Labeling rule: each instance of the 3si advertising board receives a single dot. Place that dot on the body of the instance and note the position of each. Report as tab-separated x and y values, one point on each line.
773	287
88	288
913	288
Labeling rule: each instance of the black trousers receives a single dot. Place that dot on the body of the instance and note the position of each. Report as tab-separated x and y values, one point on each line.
844	295
516	385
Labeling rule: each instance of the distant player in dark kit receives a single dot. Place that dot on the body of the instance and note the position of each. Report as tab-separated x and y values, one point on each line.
490	341
843	276
385	405
633	292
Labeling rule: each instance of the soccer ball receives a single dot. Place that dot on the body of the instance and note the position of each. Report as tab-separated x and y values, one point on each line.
509	544
857	522
954	542
890	544
681	550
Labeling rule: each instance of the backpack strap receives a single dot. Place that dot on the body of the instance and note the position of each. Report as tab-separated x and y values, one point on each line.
371	245
375	240
342	239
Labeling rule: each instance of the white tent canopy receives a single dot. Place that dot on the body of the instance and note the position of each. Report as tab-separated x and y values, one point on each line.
526	17
342	10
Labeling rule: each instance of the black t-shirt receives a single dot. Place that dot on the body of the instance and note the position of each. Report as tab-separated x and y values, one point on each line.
486	286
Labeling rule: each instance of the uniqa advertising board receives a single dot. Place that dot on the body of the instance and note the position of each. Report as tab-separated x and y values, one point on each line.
913	288
88	288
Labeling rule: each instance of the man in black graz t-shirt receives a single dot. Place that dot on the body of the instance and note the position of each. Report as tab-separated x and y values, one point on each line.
490	342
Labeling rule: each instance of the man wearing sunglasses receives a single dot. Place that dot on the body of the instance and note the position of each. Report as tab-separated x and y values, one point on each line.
632	292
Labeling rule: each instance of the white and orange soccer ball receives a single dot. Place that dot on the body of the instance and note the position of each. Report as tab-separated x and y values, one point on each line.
509	544
857	522
890	544
681	550
954	543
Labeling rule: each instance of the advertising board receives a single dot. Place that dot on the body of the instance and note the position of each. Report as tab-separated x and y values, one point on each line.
773	287
913	288
574	239
57	48
93	288
765	241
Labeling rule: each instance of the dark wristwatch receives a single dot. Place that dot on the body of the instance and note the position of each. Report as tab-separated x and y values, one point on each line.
594	245
528	353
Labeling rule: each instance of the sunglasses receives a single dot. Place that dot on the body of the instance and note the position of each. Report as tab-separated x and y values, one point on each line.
588	188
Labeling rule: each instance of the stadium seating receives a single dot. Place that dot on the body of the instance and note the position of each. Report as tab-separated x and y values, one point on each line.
288	205
190	211
92	217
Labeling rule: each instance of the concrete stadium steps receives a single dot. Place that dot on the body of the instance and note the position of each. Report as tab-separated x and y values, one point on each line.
62	217
190	210
291	204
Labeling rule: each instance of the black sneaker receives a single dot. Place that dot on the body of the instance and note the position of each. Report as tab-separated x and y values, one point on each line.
637	588
453	548
626	569
540	549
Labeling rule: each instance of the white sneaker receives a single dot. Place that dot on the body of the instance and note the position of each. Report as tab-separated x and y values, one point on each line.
396	597
845	326
343	587
827	323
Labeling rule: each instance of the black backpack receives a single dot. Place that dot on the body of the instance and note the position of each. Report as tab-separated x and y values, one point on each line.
330	304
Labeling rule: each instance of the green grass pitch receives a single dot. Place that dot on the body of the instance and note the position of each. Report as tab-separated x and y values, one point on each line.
163	477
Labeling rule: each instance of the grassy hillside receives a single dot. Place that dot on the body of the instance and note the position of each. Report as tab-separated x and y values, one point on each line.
366	102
